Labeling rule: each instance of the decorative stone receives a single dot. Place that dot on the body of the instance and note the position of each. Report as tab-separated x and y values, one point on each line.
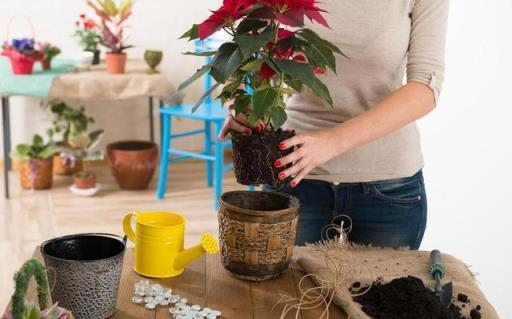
211	315
217	313
150	306
137	300
195	307
184	300
164	302
148	299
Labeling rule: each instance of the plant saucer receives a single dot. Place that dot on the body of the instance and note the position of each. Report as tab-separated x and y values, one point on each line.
85	192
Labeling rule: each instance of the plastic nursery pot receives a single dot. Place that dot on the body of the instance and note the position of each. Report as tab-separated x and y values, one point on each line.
46	64
116	63
254	156
63	165
36	174
257	233
84	180
84	271
132	163
22	67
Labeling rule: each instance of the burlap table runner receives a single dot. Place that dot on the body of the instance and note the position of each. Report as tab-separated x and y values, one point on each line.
371	263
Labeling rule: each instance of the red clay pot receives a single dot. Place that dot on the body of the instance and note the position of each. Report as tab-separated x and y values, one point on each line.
133	163
85	182
115	62
46	64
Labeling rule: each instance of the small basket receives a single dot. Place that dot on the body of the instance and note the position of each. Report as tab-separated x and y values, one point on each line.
20	64
36	174
257	233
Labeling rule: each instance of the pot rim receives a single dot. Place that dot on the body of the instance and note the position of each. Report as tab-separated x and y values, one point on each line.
294	204
112	146
113	236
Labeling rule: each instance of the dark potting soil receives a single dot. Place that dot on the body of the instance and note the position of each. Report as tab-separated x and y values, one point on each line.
254	157
405	298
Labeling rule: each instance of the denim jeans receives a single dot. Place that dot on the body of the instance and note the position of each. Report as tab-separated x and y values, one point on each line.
388	213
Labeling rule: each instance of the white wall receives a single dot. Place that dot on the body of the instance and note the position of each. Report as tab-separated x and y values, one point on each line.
466	140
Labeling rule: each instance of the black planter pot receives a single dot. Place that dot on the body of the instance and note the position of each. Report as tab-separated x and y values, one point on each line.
96	57
254	157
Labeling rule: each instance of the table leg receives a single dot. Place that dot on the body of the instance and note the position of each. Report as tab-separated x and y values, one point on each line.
151	122
161	105
7	142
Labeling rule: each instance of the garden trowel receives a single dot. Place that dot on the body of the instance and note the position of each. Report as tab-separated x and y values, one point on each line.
436	269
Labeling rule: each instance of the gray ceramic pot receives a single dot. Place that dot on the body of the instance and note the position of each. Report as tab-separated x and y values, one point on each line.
84	271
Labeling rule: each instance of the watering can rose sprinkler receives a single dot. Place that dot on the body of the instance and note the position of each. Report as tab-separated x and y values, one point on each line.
159	238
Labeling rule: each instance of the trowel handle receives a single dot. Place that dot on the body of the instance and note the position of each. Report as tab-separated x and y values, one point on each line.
436	267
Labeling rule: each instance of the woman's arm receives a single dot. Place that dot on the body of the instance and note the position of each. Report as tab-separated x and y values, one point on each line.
409	103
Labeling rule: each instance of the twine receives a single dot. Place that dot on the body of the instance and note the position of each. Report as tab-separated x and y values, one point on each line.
340	264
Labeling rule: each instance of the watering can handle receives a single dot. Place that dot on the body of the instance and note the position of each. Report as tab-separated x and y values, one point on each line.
127	226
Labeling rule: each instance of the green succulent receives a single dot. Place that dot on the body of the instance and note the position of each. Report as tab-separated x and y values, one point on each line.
67	120
37	150
153	59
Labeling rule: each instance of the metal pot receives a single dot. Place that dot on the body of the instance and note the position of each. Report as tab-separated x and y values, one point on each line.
84	271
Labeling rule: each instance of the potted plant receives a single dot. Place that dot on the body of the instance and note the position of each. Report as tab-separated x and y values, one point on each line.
21	309
75	143
49	51
271	55
89	33
84	180
112	18
22	54
35	162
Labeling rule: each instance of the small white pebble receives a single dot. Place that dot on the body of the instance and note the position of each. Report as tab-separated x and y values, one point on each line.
207	309
211	316
203	313
184	300
216	312
150	306
137	300
195	307
148	299
164	302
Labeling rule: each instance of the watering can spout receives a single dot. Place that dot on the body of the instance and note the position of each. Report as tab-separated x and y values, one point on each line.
208	244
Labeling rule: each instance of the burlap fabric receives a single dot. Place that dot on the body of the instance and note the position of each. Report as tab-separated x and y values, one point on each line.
371	263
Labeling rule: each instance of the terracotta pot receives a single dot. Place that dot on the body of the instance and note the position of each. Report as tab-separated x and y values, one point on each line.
46	64
61	167
115	62
86	182
133	163
36	174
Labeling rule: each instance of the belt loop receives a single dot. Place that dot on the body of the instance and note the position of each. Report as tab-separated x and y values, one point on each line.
366	188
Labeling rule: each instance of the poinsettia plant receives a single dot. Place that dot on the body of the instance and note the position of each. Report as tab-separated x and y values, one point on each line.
272	54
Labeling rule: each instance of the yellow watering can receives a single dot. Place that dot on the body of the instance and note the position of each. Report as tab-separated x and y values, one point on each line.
158	239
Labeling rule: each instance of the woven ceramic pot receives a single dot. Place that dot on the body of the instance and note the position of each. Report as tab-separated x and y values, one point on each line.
257	233
133	163
36	174
85	271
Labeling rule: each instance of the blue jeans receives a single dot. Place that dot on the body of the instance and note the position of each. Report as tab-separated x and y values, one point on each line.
388	213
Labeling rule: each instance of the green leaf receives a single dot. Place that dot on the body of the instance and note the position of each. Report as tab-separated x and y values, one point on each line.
192	33
197	75
249	25
297	70
226	61
204	96
207	53
241	103
47	151
250	44
262	101
294	84
321	56
314	38
38	140
321	90
278	117
254	65
23	149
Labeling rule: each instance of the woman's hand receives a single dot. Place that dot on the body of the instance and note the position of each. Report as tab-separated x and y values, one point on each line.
314	149
237	122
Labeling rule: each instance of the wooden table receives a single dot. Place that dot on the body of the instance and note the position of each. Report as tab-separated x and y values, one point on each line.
205	282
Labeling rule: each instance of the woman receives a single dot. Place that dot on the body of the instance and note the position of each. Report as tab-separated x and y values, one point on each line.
362	158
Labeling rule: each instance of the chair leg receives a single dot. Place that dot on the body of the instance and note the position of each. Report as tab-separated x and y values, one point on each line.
164	157
208	150
219	166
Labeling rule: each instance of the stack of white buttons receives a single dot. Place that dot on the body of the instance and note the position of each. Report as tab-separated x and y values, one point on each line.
153	295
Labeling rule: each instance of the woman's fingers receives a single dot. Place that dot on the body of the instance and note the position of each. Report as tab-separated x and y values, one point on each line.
293	170
292	157
296	140
300	176
231	124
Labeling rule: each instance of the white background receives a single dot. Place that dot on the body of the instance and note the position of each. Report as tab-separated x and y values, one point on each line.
466	140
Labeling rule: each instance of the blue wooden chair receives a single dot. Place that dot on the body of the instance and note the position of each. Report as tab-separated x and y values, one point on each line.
212	114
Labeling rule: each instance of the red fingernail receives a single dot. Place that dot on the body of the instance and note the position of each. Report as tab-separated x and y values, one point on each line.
247	132
281	176
278	163
293	183
282	146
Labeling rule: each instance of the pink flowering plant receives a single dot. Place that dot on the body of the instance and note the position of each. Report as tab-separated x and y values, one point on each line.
89	33
272	54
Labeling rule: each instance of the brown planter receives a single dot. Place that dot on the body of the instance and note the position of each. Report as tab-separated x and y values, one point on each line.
254	157
257	233
133	163
46	64
36	174
61	167
85	182
115	62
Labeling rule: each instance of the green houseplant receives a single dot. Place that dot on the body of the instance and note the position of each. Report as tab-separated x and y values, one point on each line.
113	16
35	162
272	54
49	51
89	33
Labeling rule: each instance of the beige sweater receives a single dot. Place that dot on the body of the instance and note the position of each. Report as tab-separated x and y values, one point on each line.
385	40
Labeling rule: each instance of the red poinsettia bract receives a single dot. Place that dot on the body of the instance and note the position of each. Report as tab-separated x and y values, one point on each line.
230	11
292	12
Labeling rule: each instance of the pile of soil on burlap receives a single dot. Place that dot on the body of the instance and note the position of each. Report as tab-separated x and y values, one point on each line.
254	157
404	298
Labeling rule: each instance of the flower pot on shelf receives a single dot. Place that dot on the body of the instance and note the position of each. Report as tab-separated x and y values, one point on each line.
257	233
254	156
63	165
116	63
133	163
84	180
36	174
